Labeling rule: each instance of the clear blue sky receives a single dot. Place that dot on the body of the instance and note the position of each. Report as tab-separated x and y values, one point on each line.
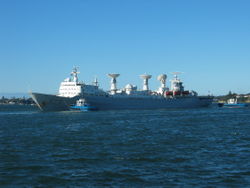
208	40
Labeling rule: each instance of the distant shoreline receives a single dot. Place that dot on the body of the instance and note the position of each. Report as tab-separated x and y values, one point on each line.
15	95
16	101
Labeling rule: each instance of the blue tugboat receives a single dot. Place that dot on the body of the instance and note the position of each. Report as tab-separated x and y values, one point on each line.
81	105
233	103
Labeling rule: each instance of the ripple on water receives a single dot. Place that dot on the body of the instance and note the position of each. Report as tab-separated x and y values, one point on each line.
165	148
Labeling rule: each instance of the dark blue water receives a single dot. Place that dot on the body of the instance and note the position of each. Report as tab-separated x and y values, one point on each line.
207	147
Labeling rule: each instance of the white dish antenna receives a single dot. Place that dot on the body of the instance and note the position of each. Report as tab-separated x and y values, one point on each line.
145	78
162	77
113	75
176	74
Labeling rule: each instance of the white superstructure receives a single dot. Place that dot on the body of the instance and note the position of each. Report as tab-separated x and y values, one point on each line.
176	83
70	87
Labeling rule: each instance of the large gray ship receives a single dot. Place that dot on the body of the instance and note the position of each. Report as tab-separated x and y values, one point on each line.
129	97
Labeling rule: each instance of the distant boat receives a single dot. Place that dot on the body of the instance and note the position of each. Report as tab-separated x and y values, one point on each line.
233	103
81	105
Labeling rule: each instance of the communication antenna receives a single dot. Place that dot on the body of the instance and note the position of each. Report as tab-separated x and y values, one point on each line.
145	78
176	74
95	82
75	70
113	77
74	73
162	78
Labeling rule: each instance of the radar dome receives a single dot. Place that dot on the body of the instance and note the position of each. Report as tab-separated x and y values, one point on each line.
129	86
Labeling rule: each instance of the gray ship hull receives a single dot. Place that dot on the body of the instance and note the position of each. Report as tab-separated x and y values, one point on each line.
48	102
120	103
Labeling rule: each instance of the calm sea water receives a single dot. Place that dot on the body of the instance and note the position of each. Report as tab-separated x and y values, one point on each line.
207	147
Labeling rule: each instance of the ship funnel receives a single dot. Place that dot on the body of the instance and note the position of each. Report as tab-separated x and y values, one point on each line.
162	78
113	77
145	78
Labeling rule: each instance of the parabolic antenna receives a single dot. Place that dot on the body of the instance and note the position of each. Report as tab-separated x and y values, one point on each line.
146	76
162	77
113	75
177	73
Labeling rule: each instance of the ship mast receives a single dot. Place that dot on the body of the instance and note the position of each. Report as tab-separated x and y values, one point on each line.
74	74
95	82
